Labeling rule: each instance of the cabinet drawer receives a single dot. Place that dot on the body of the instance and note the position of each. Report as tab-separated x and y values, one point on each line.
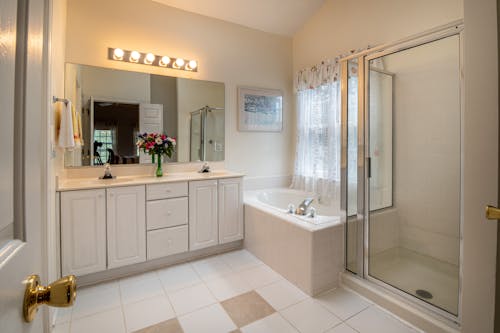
168	241
168	190
167	213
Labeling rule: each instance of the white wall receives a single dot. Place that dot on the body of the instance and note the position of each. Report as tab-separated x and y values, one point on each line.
344	25
226	53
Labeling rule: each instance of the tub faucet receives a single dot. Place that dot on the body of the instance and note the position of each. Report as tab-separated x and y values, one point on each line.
304	206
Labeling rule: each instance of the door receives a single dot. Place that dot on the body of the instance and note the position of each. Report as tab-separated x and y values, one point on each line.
21	202
150	121
83	232
414	170
464	152
203	226
126	225
230	193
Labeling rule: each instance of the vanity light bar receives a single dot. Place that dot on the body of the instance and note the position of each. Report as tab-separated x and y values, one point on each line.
151	59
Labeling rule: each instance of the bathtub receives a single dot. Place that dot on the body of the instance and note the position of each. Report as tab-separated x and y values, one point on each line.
280	199
307	251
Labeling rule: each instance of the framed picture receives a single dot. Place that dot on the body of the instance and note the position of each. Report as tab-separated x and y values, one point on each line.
260	109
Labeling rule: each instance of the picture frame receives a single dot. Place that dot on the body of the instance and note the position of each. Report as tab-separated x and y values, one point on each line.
260	110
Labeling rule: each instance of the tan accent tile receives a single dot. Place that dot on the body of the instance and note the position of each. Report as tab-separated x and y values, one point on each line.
169	326
247	308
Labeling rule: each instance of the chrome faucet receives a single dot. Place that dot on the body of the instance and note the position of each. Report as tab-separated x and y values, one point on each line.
107	171
304	206
205	168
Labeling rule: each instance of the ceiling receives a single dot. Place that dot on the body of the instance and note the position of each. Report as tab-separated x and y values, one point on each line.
283	17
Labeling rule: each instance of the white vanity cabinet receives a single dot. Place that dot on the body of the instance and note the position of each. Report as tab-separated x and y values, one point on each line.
126	225
203	219
133	224
230	193
83	232
167	219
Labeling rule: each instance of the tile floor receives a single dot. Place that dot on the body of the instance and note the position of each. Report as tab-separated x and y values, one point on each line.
232	292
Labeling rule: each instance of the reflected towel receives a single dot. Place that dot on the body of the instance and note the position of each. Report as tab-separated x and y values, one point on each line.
77	126
66	137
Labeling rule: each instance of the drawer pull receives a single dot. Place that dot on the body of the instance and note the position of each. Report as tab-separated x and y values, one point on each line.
169	213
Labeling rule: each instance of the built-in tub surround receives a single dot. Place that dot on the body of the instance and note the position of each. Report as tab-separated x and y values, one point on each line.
310	255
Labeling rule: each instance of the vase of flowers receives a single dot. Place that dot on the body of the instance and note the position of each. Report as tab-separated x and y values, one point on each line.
156	144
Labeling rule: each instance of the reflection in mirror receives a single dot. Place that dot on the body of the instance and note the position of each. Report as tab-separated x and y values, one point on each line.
115	105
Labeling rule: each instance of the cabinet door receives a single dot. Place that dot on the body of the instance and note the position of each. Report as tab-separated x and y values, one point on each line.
203	226
126	225
230	210
83	232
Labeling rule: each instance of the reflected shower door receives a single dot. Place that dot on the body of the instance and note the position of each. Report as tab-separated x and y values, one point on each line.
195	137
414	178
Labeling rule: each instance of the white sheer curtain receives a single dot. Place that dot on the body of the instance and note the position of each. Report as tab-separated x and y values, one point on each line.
317	157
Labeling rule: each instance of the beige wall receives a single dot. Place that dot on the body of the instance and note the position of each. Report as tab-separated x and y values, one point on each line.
226	53
344	25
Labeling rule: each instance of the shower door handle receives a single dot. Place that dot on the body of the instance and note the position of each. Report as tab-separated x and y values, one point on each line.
492	213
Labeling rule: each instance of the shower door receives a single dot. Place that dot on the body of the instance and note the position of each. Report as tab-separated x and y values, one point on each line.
413	151
403	184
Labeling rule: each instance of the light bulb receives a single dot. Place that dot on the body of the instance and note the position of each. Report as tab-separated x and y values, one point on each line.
134	56
118	54
179	62
164	61
150	57
192	64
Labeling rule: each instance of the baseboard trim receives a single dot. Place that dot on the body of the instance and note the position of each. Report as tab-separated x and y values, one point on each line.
120	272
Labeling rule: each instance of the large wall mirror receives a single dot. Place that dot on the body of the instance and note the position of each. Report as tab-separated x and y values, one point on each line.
115	105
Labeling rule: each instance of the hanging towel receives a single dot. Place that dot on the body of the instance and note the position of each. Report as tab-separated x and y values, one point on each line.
66	137
77	127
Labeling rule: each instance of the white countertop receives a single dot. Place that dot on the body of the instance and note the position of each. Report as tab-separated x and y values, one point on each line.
71	184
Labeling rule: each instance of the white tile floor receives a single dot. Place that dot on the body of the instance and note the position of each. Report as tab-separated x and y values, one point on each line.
192	292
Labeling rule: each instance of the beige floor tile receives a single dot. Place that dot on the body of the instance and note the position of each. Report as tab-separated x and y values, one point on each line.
247	308
169	326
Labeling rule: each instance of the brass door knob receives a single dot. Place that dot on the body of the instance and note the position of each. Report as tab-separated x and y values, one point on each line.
492	213
61	293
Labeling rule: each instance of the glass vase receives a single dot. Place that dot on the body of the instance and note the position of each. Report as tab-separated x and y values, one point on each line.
159	171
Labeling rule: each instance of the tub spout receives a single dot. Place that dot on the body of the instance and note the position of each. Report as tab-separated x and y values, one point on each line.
304	206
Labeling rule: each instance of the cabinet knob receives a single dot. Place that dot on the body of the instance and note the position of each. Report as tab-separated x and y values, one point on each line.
169	213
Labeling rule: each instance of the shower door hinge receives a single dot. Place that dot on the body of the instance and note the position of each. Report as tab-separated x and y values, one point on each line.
369	166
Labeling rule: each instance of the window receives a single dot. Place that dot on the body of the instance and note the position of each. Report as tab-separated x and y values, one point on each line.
103	140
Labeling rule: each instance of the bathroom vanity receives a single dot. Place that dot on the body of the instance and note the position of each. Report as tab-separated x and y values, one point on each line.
111	228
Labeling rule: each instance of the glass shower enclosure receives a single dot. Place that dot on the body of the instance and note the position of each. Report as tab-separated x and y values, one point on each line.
402	166
206	134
